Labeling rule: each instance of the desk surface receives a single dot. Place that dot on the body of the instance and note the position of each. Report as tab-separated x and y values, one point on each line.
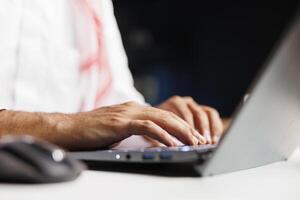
276	181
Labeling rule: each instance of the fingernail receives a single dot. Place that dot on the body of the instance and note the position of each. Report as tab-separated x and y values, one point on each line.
201	139
206	134
177	143
216	138
195	140
174	141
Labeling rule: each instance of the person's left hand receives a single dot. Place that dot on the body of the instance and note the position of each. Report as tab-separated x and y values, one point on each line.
203	118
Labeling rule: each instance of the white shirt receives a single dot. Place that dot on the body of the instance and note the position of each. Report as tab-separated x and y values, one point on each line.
39	59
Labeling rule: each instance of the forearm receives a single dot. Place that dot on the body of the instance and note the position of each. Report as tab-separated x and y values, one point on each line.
47	126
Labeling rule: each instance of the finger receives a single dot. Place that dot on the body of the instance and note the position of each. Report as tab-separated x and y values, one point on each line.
201	120
182	110
153	142
216	124
201	139
149	128
167	120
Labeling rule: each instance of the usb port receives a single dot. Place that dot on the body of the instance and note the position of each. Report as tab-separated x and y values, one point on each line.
148	156
165	156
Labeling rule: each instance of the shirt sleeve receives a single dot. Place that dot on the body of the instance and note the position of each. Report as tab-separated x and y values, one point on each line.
10	20
123	85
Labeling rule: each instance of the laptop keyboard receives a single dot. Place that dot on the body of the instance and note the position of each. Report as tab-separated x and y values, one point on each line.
200	148
184	148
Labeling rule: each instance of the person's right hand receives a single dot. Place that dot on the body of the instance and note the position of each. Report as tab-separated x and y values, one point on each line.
107	125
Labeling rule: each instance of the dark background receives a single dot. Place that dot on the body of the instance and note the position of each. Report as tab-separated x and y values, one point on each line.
210	50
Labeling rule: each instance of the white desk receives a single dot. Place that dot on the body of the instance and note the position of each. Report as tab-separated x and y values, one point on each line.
276	181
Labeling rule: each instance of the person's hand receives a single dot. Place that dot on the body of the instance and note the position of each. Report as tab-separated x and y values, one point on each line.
203	118
108	125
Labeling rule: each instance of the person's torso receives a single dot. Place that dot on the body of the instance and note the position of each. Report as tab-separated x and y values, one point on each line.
40	58
38	55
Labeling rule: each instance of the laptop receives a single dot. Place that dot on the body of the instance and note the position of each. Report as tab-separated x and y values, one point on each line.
264	129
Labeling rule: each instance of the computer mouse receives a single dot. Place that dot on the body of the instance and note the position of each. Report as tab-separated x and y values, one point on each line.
29	160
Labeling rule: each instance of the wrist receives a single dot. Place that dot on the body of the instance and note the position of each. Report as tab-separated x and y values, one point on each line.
61	126
56	122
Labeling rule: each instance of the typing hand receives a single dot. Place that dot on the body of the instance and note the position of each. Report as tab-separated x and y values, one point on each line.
108	125
203	118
